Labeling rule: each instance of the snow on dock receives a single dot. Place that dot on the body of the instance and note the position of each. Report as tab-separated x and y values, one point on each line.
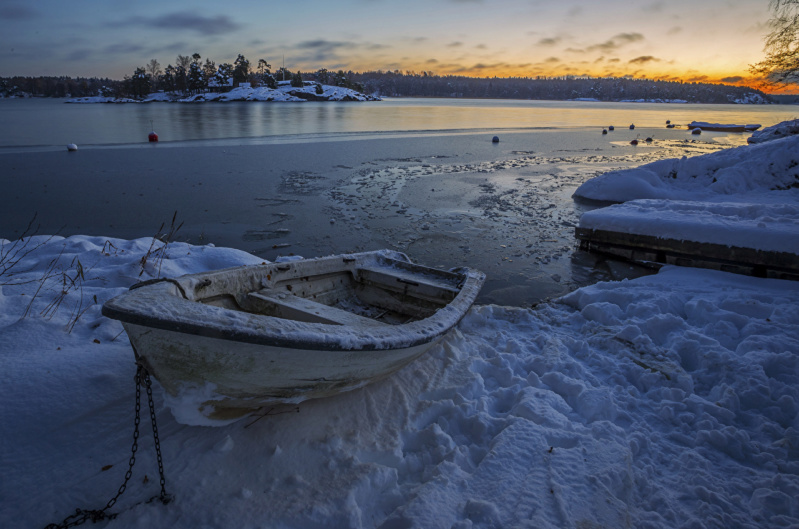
735	210
755	239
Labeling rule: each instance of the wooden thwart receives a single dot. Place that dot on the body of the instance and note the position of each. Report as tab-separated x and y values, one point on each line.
655	251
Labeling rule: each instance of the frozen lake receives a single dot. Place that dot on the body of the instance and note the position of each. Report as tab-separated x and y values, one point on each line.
419	176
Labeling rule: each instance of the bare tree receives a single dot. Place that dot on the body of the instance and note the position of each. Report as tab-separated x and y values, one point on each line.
781	65
154	67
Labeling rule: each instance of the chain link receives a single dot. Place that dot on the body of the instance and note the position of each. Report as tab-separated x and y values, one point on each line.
81	516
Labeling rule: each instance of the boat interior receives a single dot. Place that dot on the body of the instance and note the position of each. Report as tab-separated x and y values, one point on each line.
363	296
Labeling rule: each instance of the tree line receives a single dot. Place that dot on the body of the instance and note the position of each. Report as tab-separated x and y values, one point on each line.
198	78
428	84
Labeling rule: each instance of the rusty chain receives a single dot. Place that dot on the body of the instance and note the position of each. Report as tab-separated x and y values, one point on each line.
81	516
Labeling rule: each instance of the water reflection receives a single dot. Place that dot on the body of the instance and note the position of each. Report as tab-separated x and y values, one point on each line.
51	122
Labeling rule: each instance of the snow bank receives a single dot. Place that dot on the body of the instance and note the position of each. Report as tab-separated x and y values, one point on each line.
780	130
768	227
762	168
667	401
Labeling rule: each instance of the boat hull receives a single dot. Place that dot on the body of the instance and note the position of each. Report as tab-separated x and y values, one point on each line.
226	380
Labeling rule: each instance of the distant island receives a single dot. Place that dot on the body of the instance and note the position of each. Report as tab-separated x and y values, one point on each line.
283	92
191	80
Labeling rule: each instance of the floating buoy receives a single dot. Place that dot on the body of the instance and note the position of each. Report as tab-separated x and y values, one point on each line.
611	128
696	131
634	142
72	147
495	139
632	127
604	131
152	137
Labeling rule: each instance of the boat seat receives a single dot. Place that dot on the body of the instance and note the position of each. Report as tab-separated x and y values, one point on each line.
428	287
291	307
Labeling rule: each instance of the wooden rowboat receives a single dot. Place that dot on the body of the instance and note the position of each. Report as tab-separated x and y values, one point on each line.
228	342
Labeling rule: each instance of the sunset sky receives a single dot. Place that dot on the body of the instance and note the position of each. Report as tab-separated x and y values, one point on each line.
689	40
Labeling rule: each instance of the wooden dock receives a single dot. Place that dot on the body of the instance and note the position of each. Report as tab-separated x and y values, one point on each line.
656	252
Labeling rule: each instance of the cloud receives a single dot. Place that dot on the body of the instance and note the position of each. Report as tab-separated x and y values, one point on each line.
18	12
616	42
80	54
655	7
733	79
186	21
321	50
674	30
455	44
550	41
552	59
643	59
123	48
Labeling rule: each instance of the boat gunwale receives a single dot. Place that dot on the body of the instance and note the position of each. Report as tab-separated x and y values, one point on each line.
178	314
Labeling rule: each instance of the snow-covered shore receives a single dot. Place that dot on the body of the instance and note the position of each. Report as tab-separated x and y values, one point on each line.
666	401
283	93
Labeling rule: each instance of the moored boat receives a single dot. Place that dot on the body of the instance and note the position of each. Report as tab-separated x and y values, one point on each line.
226	343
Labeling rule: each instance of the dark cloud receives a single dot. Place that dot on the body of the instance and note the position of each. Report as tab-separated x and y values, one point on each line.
734	79
552	59
455	44
431	61
18	12
551	41
326	51
321	50
185	21
616	42
674	31
643	59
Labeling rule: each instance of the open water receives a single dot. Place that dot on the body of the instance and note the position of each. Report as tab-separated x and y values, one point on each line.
50	123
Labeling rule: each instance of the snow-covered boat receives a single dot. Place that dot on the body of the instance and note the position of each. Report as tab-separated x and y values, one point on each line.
721	127
238	339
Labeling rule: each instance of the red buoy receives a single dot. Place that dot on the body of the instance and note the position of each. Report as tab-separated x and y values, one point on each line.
152	137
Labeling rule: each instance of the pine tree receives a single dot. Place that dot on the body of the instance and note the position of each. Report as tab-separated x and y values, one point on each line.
223	74
241	70
296	80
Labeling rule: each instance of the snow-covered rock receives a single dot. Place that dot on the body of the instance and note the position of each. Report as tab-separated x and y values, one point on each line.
780	130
